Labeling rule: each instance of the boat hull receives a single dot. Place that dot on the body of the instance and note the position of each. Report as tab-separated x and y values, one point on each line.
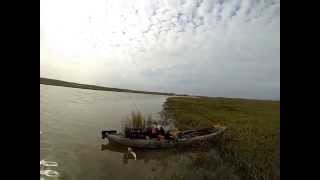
157	144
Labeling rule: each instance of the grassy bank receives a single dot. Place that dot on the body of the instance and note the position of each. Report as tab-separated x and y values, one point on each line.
251	142
55	82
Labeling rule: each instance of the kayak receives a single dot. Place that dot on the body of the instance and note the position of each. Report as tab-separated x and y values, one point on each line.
186	138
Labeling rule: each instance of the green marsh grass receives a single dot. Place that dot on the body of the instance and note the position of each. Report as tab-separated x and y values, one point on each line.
138	120
251	144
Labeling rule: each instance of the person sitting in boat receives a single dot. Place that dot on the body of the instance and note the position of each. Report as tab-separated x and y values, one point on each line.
161	134
161	131
151	132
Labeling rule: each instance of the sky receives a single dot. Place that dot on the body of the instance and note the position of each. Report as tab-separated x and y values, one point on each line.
220	48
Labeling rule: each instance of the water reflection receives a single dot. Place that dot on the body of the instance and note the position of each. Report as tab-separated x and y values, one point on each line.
177	162
141	154
147	155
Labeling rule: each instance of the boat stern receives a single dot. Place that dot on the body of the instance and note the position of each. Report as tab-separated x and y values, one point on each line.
104	133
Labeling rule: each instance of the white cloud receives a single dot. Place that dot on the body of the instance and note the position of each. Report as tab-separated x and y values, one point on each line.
208	47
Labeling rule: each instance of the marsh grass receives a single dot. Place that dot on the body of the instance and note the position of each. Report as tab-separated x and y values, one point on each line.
196	163
137	120
251	142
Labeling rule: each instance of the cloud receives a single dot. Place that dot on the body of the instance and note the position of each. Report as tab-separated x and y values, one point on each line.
206	47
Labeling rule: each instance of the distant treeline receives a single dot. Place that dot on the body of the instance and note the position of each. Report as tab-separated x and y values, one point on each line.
55	82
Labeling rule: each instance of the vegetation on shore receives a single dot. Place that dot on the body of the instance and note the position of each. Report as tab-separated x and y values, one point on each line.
55	82
137	120
251	144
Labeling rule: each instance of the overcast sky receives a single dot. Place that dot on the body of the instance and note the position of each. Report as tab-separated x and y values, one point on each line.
228	48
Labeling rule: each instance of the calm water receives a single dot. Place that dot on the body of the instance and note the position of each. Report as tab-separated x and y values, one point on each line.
71	121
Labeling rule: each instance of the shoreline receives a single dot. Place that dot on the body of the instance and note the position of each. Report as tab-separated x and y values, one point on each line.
54	82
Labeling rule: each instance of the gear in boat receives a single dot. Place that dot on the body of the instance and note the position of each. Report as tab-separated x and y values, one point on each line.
159	138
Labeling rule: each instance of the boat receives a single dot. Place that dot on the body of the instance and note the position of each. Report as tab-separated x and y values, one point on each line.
187	138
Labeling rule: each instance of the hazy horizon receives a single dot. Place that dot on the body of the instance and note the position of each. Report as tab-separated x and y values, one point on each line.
219	48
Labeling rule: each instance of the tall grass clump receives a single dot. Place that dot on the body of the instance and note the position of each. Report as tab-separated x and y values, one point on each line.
137	120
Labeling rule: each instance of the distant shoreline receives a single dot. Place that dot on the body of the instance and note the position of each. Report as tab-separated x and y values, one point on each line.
54	82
